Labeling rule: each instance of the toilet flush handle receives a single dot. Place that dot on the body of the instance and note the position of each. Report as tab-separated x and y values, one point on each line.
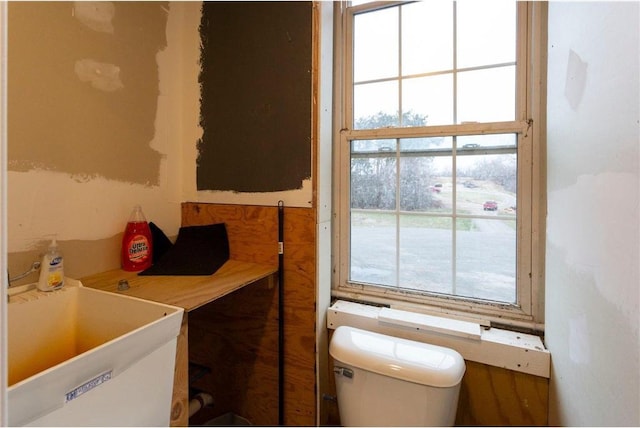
343	371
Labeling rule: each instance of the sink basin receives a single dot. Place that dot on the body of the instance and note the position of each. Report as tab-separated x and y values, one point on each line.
84	357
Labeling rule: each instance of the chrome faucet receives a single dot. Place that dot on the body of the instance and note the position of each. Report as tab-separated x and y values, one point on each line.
34	268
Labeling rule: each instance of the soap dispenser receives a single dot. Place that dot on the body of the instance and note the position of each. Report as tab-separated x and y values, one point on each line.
51	269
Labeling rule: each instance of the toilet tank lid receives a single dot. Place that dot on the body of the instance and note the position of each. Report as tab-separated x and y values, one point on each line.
399	358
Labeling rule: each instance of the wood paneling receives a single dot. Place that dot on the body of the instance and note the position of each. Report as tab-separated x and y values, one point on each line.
252	230
236	338
250	386
494	396
299	316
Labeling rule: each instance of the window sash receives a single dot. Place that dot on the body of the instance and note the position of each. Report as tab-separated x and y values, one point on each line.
527	307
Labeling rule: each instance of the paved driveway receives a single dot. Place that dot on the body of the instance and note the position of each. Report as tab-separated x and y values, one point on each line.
485	259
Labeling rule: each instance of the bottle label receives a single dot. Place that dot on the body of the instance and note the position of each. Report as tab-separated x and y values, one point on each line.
52	275
138	249
54	279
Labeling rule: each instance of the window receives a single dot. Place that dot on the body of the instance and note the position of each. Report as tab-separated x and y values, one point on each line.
438	157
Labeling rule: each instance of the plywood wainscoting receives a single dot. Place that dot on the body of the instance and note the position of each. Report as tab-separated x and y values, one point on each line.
493	396
239	332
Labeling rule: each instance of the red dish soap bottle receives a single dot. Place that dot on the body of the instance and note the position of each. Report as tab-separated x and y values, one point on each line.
137	245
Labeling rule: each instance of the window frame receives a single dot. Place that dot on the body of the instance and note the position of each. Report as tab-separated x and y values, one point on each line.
529	125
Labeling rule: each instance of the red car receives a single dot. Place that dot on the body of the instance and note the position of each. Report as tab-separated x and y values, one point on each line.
490	206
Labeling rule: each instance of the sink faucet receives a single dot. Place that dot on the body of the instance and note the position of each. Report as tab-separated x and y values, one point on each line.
34	267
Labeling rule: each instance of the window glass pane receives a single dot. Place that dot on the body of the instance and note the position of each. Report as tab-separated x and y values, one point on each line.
421	185
373	183
425	253
487	184
427	37
375	42
486	32
375	105
426	143
431	97
373	247
469	143
486	259
487	95
373	146
486	247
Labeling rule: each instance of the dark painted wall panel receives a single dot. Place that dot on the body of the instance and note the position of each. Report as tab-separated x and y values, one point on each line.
255	96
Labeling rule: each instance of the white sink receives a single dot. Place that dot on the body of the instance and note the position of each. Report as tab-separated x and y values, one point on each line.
84	357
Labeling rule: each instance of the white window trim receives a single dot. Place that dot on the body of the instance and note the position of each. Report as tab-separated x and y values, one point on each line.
530	124
519	352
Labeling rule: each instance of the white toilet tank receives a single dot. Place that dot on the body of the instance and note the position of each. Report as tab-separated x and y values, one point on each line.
388	381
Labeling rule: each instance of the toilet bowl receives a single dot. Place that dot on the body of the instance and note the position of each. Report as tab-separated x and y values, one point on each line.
388	381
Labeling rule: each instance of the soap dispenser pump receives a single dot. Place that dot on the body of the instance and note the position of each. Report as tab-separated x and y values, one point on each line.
51	269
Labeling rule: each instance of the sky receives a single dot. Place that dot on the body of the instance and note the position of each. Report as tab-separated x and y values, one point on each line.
418	39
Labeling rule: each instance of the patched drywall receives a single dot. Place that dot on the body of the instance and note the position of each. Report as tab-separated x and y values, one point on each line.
83	88
606	203
576	79
96	125
96	15
594	352
593	226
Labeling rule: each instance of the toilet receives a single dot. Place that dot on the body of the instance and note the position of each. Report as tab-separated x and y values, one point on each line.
389	381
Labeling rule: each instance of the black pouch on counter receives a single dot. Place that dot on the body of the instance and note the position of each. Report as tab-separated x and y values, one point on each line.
161	244
198	250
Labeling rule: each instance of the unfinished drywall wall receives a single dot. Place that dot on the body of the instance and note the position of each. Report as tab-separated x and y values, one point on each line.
95	121
84	88
593	235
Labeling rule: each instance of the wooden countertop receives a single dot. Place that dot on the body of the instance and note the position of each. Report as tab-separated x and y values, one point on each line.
188	292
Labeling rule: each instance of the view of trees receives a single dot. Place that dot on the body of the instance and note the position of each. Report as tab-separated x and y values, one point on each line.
374	168
501	169
374	179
